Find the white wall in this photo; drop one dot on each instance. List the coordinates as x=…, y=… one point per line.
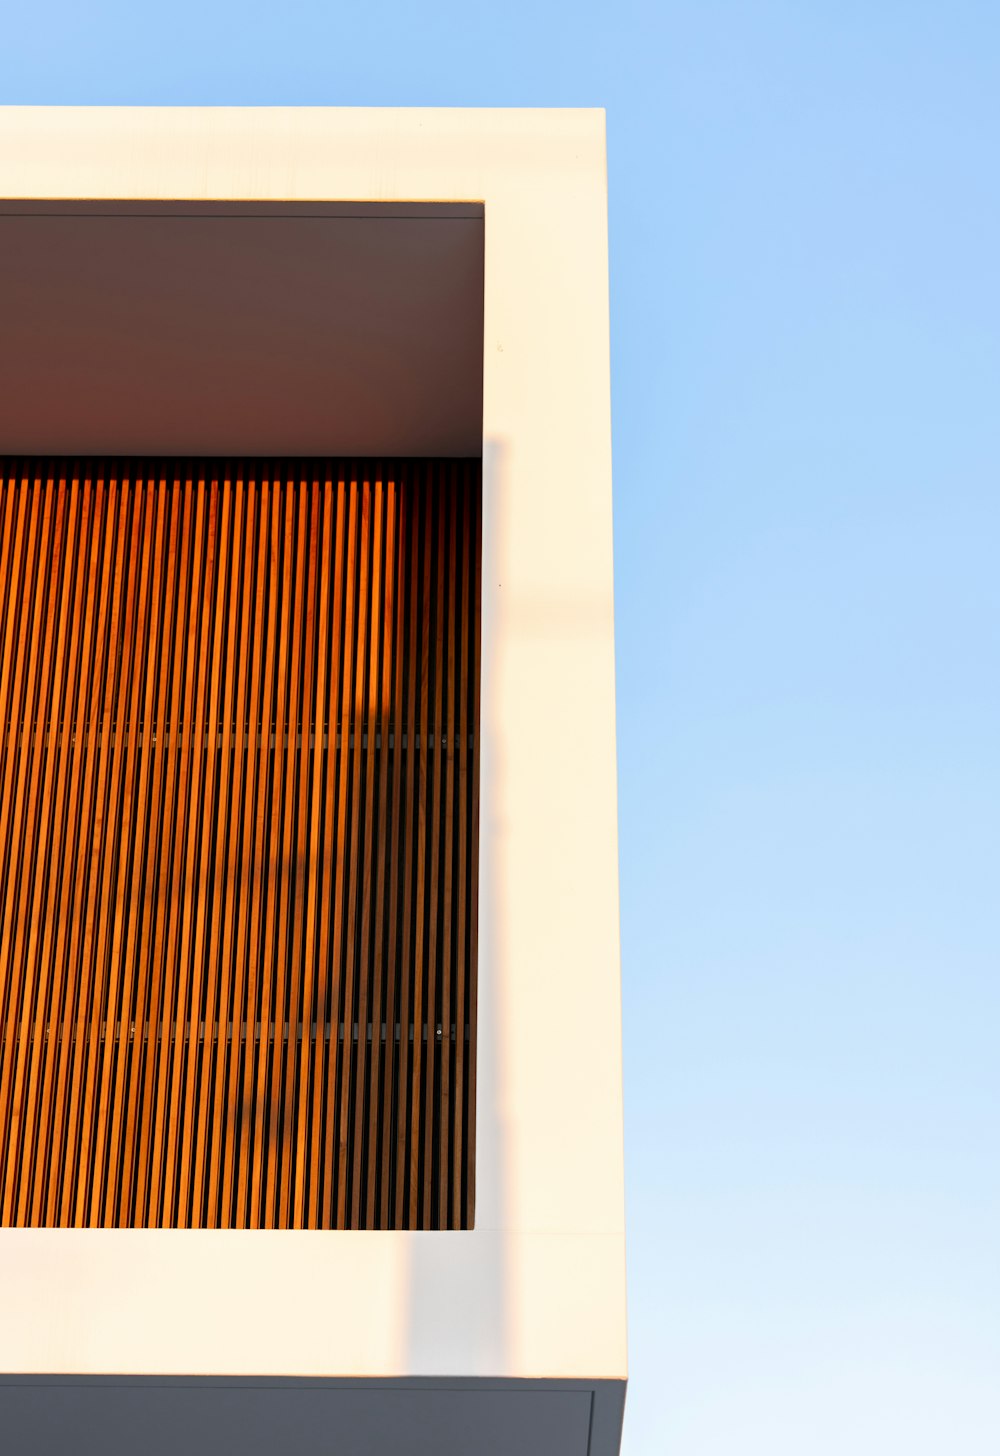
x=538, y=1288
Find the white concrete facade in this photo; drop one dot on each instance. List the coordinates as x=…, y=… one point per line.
x=536, y=1291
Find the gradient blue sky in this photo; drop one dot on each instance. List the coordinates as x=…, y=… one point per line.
x=805, y=249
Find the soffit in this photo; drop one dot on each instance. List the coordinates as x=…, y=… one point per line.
x=252, y=329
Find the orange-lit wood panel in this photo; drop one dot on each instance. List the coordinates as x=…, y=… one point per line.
x=239, y=734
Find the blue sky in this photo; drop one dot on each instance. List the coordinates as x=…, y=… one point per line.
x=805, y=235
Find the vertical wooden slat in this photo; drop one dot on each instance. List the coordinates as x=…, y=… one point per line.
x=328, y=998
x=393, y=730
x=282, y=866
x=120, y=861
x=103, y=719
x=352, y=728
x=434, y=1031
x=271, y=986
x=83, y=865
x=11, y=676
x=184, y=732
x=411, y=999
x=380, y=724
x=462, y=833
x=447, y=761
x=183, y=1034
x=313, y=1000
x=237, y=1158
x=21, y=805
x=118, y=1049
x=63, y=881
x=280, y=1182
x=129, y=1116
x=165, y=897
x=91, y=1024
x=223, y=979
x=340, y=1028
x=366, y=718
x=218, y=736
x=418, y=970
x=59, y=751
x=32, y=1048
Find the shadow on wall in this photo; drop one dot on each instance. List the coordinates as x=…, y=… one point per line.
x=434, y=1342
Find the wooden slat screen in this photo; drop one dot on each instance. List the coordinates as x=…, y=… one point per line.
x=239, y=710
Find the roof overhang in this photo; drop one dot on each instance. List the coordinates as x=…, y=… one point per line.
x=187, y=328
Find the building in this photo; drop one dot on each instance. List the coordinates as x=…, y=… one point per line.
x=310, y=1084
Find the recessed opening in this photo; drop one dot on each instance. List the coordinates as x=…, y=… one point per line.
x=240, y=518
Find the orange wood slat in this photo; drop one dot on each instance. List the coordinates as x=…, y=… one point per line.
x=239, y=728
